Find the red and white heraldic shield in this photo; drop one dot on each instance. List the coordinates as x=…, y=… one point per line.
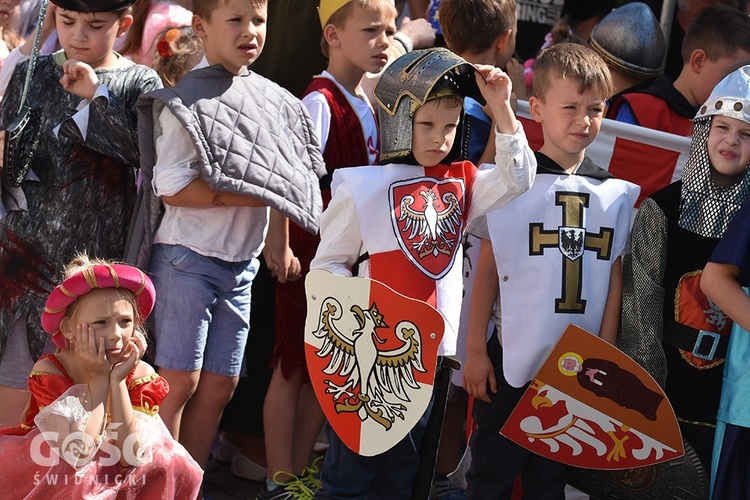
x=428, y=219
x=591, y=406
x=371, y=353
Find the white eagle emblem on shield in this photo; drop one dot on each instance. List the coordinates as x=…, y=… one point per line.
x=358, y=355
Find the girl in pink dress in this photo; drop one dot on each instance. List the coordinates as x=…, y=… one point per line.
x=92, y=428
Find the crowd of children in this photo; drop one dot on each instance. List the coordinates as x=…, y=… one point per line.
x=195, y=183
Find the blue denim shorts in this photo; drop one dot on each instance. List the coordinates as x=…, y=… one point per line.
x=202, y=312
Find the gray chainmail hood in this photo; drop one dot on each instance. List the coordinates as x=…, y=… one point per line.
x=706, y=208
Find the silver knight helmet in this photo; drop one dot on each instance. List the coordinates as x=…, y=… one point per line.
x=408, y=83
x=630, y=40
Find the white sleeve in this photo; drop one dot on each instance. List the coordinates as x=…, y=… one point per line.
x=320, y=112
x=81, y=117
x=511, y=176
x=175, y=157
x=340, y=237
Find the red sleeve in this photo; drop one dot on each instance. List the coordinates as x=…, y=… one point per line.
x=46, y=387
x=147, y=393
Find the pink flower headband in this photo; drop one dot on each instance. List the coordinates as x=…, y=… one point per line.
x=90, y=278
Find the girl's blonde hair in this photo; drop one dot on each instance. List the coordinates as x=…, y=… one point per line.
x=177, y=51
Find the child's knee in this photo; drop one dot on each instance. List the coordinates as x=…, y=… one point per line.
x=216, y=391
x=182, y=384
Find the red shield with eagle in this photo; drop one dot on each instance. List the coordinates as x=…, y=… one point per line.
x=428, y=217
x=371, y=354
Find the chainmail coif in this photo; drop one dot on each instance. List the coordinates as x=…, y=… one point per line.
x=705, y=208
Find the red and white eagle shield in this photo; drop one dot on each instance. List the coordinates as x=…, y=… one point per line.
x=428, y=217
x=371, y=353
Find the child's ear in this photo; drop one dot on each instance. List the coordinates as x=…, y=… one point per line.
x=697, y=59
x=125, y=23
x=198, y=28
x=502, y=41
x=535, y=109
x=65, y=326
x=331, y=34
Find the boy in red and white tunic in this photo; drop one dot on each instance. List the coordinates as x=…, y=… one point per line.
x=402, y=221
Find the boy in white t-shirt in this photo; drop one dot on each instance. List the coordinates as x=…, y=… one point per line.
x=357, y=37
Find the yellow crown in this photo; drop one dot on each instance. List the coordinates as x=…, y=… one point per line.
x=327, y=8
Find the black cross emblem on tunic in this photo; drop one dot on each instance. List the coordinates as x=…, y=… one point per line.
x=573, y=205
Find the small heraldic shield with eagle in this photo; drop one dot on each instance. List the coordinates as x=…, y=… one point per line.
x=371, y=353
x=428, y=219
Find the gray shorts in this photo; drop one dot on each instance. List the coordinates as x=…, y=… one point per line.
x=16, y=363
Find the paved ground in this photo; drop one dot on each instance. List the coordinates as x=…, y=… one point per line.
x=220, y=484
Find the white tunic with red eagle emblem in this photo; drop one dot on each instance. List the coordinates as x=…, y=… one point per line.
x=410, y=219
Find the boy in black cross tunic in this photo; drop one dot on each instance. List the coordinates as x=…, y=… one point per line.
x=549, y=258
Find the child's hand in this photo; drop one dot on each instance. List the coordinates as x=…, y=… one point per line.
x=131, y=356
x=420, y=32
x=496, y=88
x=79, y=78
x=282, y=263
x=92, y=357
x=50, y=24
x=295, y=270
x=494, y=83
x=476, y=375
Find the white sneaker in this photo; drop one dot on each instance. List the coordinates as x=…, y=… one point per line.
x=247, y=469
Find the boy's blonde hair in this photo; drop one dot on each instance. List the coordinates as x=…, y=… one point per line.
x=472, y=26
x=720, y=31
x=342, y=15
x=574, y=62
x=205, y=8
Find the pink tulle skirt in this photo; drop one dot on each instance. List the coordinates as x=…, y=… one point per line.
x=31, y=467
